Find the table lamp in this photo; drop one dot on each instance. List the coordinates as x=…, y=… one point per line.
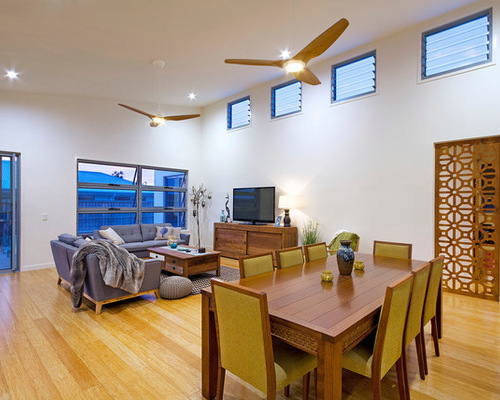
x=286, y=202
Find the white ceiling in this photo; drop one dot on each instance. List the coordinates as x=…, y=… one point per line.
x=104, y=48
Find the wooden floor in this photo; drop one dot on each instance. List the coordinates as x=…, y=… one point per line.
x=147, y=348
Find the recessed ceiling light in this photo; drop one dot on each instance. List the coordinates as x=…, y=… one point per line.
x=12, y=74
x=285, y=54
x=192, y=96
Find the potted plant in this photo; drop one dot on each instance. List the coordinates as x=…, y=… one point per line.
x=310, y=232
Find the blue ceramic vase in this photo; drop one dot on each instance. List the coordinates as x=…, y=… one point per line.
x=345, y=257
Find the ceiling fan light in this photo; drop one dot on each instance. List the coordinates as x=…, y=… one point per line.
x=294, y=65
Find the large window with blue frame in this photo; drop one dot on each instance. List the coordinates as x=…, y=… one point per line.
x=122, y=194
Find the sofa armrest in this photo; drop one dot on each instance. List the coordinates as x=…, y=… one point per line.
x=186, y=236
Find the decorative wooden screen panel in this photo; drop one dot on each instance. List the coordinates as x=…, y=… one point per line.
x=466, y=215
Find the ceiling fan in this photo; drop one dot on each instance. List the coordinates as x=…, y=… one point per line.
x=298, y=64
x=158, y=119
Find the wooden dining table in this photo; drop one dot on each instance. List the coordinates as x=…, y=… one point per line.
x=323, y=318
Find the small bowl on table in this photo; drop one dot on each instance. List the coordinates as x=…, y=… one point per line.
x=359, y=265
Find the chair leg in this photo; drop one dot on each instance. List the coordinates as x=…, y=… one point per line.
x=305, y=385
x=424, y=353
x=420, y=356
x=286, y=391
x=435, y=335
x=405, y=374
x=377, y=393
x=315, y=383
x=401, y=380
x=221, y=376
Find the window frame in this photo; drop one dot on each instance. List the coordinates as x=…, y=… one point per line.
x=372, y=53
x=273, y=99
x=488, y=12
x=138, y=210
x=229, y=113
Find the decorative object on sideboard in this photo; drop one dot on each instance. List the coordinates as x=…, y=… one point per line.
x=200, y=195
x=310, y=233
x=286, y=202
x=228, y=218
x=278, y=220
x=222, y=216
x=345, y=257
x=159, y=119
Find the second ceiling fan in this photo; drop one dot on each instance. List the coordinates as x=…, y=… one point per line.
x=159, y=119
x=298, y=64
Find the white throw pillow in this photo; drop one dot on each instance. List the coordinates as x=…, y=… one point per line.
x=164, y=232
x=111, y=235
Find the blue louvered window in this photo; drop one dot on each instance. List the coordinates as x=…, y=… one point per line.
x=238, y=113
x=286, y=99
x=458, y=45
x=354, y=77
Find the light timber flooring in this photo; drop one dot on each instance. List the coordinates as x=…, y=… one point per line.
x=150, y=349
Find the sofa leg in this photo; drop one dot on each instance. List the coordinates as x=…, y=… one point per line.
x=157, y=293
x=98, y=308
x=59, y=280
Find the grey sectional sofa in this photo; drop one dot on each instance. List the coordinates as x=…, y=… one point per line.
x=138, y=237
x=94, y=287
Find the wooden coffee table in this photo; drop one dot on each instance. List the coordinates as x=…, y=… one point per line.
x=186, y=263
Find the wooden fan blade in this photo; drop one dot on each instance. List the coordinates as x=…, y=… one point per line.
x=319, y=45
x=307, y=76
x=180, y=117
x=138, y=111
x=242, y=61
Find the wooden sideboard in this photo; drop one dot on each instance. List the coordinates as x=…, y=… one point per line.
x=236, y=240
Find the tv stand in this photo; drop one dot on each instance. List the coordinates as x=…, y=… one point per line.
x=235, y=240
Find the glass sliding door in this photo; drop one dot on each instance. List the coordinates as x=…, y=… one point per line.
x=9, y=212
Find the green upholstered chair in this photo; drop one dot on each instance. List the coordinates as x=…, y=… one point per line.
x=290, y=257
x=375, y=355
x=413, y=322
x=392, y=249
x=334, y=245
x=246, y=348
x=315, y=251
x=430, y=307
x=256, y=264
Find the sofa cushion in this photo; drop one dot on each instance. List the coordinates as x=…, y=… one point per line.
x=165, y=232
x=111, y=235
x=79, y=242
x=67, y=238
x=149, y=230
x=129, y=233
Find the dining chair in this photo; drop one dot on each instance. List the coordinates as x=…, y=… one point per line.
x=246, y=347
x=290, y=257
x=256, y=264
x=392, y=249
x=315, y=251
x=376, y=354
x=413, y=321
x=334, y=245
x=430, y=307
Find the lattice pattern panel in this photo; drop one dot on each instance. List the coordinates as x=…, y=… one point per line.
x=466, y=226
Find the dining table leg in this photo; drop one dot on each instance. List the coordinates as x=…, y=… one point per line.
x=329, y=371
x=209, y=350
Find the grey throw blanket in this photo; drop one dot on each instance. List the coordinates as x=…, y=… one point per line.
x=118, y=267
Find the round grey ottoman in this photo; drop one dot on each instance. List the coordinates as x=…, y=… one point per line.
x=174, y=287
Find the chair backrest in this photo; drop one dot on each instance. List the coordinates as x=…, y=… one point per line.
x=433, y=289
x=392, y=249
x=335, y=243
x=417, y=301
x=389, y=339
x=290, y=257
x=256, y=264
x=315, y=251
x=244, y=334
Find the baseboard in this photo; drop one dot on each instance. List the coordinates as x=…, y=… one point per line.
x=34, y=267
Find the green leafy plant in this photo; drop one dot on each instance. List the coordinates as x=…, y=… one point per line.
x=310, y=232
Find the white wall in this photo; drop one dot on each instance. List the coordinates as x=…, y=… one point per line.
x=366, y=165
x=51, y=132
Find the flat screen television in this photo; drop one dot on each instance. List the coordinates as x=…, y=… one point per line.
x=254, y=205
